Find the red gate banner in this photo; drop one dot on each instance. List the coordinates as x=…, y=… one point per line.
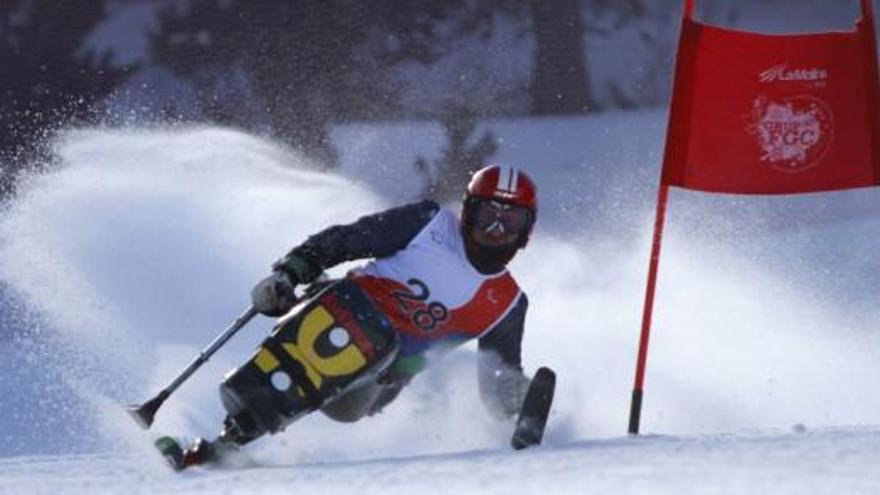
x=774, y=114
x=766, y=114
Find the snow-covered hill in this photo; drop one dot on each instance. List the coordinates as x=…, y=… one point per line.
x=827, y=462
x=143, y=243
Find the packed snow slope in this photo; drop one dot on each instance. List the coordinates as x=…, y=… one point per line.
x=124, y=258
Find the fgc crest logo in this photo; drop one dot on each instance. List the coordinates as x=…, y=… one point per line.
x=793, y=133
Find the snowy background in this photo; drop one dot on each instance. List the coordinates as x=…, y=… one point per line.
x=144, y=244
x=140, y=241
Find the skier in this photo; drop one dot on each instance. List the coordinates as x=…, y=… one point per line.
x=436, y=281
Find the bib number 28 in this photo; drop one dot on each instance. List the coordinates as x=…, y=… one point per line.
x=424, y=314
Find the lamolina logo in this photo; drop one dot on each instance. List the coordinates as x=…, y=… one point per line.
x=781, y=72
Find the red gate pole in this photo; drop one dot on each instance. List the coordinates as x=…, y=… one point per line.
x=867, y=8
x=635, y=411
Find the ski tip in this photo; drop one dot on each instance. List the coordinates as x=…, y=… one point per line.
x=546, y=374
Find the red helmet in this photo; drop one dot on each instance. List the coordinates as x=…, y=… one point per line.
x=503, y=183
x=500, y=207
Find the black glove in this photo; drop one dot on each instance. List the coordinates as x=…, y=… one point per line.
x=274, y=295
x=299, y=268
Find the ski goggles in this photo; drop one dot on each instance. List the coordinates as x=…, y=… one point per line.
x=501, y=219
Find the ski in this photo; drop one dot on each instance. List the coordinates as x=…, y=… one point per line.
x=171, y=451
x=198, y=453
x=535, y=409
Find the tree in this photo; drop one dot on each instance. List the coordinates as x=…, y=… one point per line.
x=47, y=82
x=296, y=65
x=560, y=76
x=448, y=174
x=305, y=64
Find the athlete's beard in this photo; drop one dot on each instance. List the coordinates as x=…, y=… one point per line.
x=489, y=259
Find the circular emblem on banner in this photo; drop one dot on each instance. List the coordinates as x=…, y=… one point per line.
x=793, y=133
